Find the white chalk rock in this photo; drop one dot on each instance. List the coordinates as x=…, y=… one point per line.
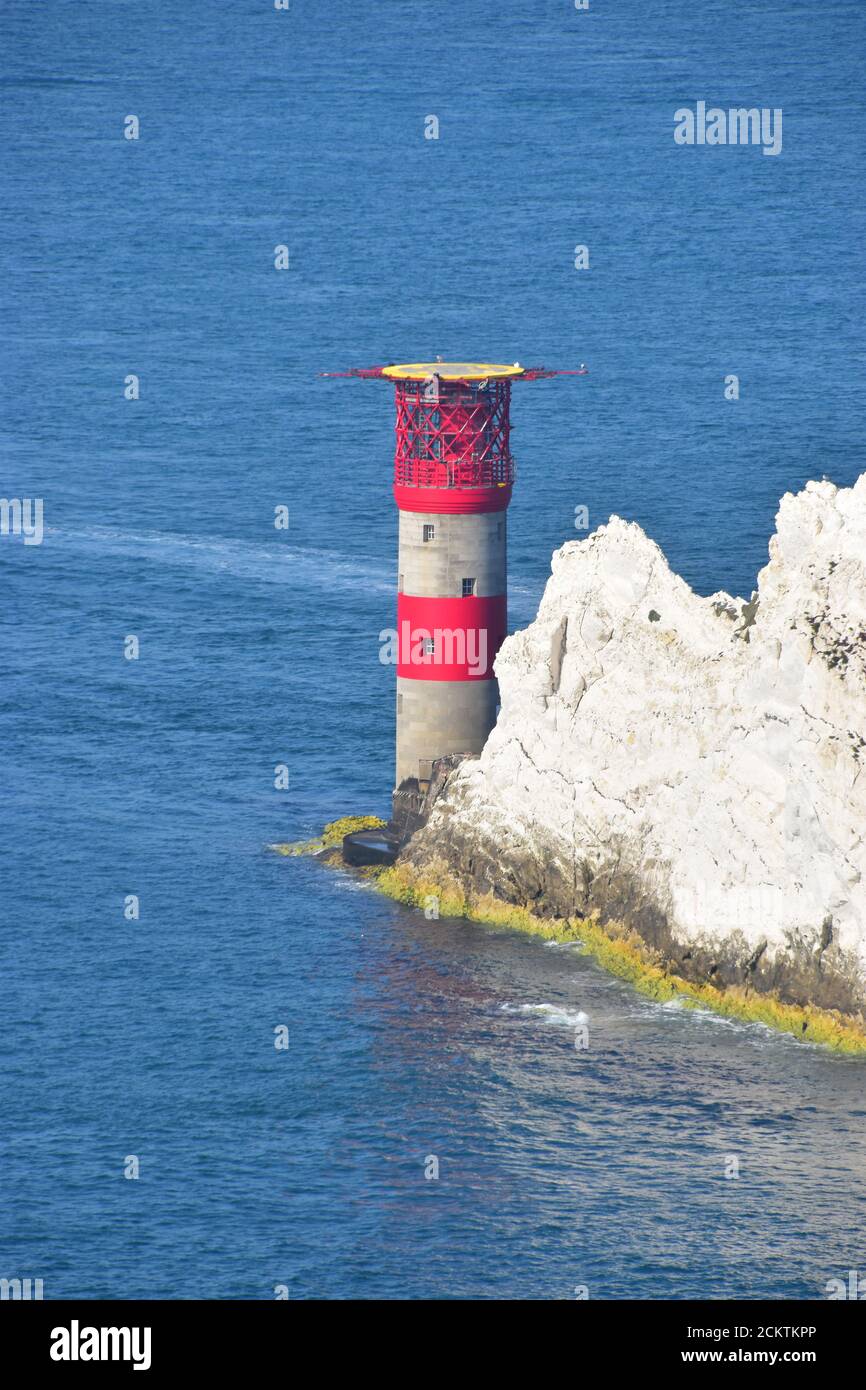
x=715, y=748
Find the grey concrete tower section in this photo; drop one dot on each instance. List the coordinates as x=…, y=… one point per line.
x=436, y=717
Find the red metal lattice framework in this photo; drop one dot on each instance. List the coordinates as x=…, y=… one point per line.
x=453, y=434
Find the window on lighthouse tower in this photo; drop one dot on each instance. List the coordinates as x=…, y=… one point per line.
x=429, y=531
x=468, y=588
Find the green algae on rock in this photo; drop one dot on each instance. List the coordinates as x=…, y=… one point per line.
x=331, y=837
x=625, y=954
x=613, y=945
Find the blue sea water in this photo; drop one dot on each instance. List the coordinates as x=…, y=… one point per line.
x=155, y=777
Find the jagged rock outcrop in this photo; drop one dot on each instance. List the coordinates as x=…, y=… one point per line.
x=691, y=766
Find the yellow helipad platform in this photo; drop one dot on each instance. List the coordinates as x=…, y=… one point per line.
x=453, y=371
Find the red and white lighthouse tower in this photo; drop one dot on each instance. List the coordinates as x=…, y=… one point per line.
x=453, y=476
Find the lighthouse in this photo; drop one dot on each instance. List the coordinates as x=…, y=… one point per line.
x=453, y=478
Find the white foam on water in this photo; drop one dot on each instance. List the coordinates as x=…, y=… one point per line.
x=754, y=1030
x=276, y=562
x=548, y=1013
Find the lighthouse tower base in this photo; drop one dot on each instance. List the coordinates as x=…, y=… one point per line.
x=412, y=802
x=435, y=718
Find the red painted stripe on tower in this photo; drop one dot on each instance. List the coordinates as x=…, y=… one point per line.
x=452, y=500
x=466, y=634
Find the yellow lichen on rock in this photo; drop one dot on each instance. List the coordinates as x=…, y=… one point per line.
x=622, y=952
x=332, y=835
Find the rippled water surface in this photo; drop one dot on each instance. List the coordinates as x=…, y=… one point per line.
x=408, y=1039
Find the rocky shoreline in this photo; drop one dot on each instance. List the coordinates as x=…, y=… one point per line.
x=548, y=881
